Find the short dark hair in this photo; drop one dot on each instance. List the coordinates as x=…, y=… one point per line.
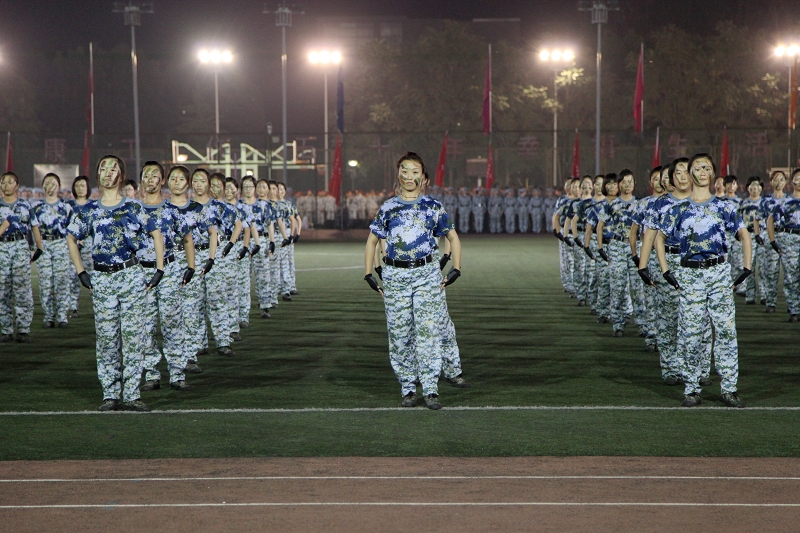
x=88, y=187
x=412, y=156
x=703, y=155
x=273, y=182
x=656, y=169
x=795, y=171
x=249, y=177
x=626, y=172
x=672, y=168
x=217, y=176
x=198, y=171
x=120, y=164
x=152, y=164
x=9, y=173
x=232, y=180
x=608, y=179
x=52, y=175
x=754, y=179
x=132, y=183
x=727, y=180
x=182, y=169
x=775, y=174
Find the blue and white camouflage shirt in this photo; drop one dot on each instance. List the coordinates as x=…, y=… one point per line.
x=174, y=227
x=53, y=218
x=20, y=216
x=786, y=214
x=201, y=218
x=750, y=211
x=657, y=217
x=618, y=216
x=116, y=232
x=411, y=228
x=701, y=228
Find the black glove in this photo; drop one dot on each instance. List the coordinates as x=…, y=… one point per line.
x=156, y=279
x=272, y=247
x=558, y=235
x=588, y=252
x=569, y=241
x=227, y=249
x=80, y=246
x=286, y=242
x=760, y=240
x=370, y=279
x=243, y=252
x=743, y=276
x=670, y=277
x=603, y=254
x=86, y=280
x=736, y=236
x=379, y=271
x=635, y=260
x=443, y=261
x=255, y=250
x=36, y=255
x=775, y=246
x=207, y=266
x=295, y=238
x=452, y=276
x=645, y=275
x=187, y=275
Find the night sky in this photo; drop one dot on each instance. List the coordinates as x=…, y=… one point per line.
x=44, y=27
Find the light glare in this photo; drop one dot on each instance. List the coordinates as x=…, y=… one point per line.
x=353, y=163
x=324, y=57
x=780, y=51
x=215, y=56
x=544, y=55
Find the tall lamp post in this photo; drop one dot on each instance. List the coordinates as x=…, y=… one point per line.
x=215, y=58
x=599, y=9
x=133, y=17
x=324, y=58
x=790, y=52
x=557, y=59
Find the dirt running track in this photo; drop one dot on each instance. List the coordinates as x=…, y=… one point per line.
x=400, y=494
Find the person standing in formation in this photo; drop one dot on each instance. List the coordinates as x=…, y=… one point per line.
x=261, y=216
x=495, y=204
x=731, y=184
x=264, y=192
x=536, y=210
x=771, y=265
x=590, y=244
x=783, y=226
x=80, y=194
x=243, y=252
x=523, y=213
x=284, y=210
x=478, y=208
x=577, y=225
x=749, y=210
x=297, y=229
x=609, y=191
x=163, y=303
x=54, y=265
x=510, y=211
x=410, y=222
x=564, y=248
x=464, y=208
x=115, y=227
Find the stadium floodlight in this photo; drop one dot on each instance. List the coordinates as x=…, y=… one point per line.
x=215, y=57
x=325, y=58
x=352, y=163
x=557, y=58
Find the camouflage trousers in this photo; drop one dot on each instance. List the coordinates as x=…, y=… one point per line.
x=259, y=267
x=752, y=283
x=790, y=258
x=274, y=277
x=284, y=268
x=118, y=299
x=230, y=290
x=511, y=220
x=163, y=304
x=54, y=268
x=580, y=265
x=650, y=298
x=414, y=314
x=735, y=258
x=665, y=318
x=536, y=220
x=591, y=274
x=769, y=272
x=463, y=220
x=603, y=288
x=494, y=222
x=566, y=264
x=16, y=293
x=75, y=283
x=205, y=294
x=706, y=295
x=292, y=277
x=522, y=215
x=478, y=215
x=625, y=284
x=241, y=281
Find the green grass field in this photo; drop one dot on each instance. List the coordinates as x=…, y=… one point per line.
x=523, y=342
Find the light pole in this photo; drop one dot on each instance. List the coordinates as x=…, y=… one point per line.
x=133, y=17
x=599, y=9
x=557, y=58
x=790, y=52
x=325, y=58
x=215, y=58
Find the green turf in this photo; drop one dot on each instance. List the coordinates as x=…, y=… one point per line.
x=522, y=340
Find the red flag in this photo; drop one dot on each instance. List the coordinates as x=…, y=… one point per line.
x=657, y=151
x=9, y=155
x=638, y=97
x=724, y=160
x=442, y=162
x=487, y=97
x=85, y=159
x=576, y=158
x=793, y=100
x=490, y=169
x=335, y=183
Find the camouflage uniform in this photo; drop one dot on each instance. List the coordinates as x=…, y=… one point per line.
x=478, y=209
x=163, y=303
x=770, y=259
x=536, y=209
x=523, y=215
x=649, y=294
x=224, y=273
x=602, y=290
x=54, y=265
x=749, y=211
x=495, y=204
x=291, y=271
x=786, y=217
x=549, y=205
x=283, y=253
x=735, y=257
x=623, y=273
x=701, y=229
x=16, y=293
x=413, y=299
x=262, y=218
x=86, y=257
x=566, y=256
x=464, y=210
x=244, y=266
x=510, y=211
x=118, y=298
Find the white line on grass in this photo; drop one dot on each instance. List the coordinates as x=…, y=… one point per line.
x=399, y=478
x=110, y=506
x=327, y=268
x=403, y=410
